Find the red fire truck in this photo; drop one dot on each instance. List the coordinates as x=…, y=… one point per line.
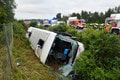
x=73, y=21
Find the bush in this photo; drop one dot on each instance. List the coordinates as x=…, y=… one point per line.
x=59, y=28
x=101, y=59
x=64, y=28
x=23, y=54
x=42, y=27
x=33, y=24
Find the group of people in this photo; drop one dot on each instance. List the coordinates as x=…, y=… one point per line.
x=101, y=27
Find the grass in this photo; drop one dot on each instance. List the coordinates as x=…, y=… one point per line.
x=30, y=66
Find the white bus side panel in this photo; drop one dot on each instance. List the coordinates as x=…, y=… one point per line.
x=38, y=34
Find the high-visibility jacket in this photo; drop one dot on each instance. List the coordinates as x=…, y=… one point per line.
x=108, y=28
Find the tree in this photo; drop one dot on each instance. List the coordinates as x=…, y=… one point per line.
x=109, y=12
x=118, y=9
x=6, y=11
x=78, y=16
x=96, y=17
x=102, y=17
x=58, y=16
x=65, y=18
x=73, y=15
x=85, y=15
x=33, y=24
x=93, y=17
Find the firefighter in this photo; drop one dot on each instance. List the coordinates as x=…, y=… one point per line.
x=108, y=27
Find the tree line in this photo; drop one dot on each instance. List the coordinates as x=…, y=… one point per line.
x=7, y=13
x=91, y=17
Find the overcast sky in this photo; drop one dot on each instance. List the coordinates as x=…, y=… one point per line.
x=43, y=9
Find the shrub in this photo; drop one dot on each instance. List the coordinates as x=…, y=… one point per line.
x=64, y=28
x=33, y=24
x=42, y=27
x=101, y=59
x=59, y=28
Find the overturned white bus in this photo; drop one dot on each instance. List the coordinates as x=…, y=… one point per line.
x=56, y=50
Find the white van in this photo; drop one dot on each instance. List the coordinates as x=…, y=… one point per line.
x=56, y=50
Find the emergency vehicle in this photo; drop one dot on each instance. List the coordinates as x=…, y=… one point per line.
x=114, y=22
x=73, y=21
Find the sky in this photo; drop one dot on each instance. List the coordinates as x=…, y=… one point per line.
x=47, y=9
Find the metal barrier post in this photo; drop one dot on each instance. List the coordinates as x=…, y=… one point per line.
x=7, y=45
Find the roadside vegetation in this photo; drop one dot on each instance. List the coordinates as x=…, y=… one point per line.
x=101, y=58
x=99, y=61
x=30, y=67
